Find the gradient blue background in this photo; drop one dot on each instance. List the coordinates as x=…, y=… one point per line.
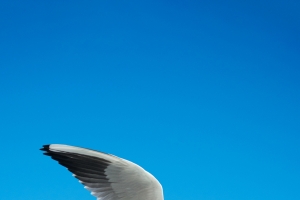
x=203, y=94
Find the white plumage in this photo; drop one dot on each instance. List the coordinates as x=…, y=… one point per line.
x=106, y=176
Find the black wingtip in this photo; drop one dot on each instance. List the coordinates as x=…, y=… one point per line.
x=45, y=147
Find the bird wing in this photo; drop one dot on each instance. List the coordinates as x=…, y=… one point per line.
x=107, y=177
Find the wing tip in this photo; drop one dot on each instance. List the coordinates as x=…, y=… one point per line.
x=45, y=147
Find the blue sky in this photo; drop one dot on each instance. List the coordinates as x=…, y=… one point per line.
x=202, y=94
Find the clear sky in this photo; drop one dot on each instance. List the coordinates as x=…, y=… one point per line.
x=205, y=95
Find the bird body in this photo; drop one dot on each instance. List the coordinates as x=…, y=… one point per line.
x=106, y=176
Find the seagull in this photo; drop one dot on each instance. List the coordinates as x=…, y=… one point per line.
x=106, y=176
